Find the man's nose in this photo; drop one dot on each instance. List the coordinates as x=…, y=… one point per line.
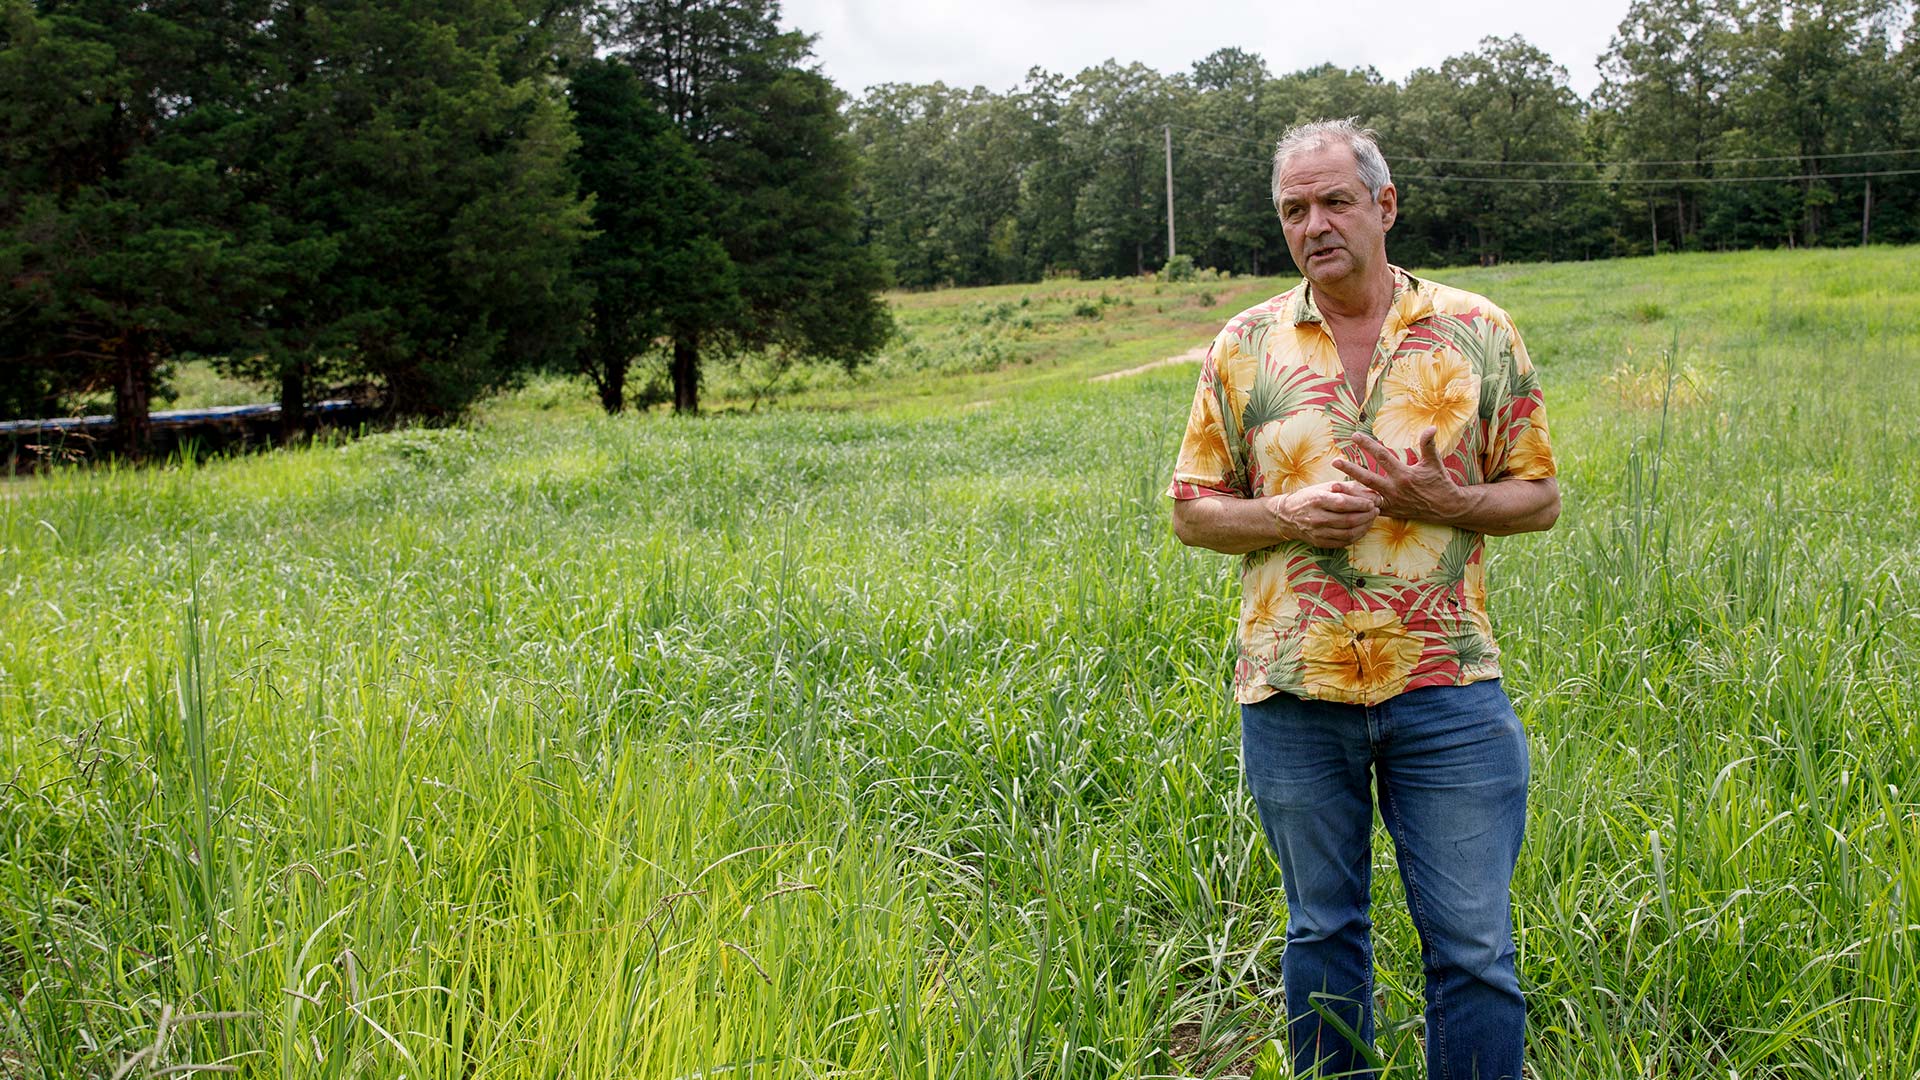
x=1316, y=219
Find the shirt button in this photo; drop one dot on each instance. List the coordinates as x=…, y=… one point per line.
x=1359, y=583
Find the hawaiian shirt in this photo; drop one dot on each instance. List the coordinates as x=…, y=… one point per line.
x=1405, y=606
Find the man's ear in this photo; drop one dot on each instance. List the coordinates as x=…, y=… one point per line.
x=1389, y=202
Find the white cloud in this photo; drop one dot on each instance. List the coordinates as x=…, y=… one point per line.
x=992, y=43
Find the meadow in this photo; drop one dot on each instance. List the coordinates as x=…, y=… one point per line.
x=878, y=726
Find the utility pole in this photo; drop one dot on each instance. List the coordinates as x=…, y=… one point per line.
x=1866, y=212
x=1167, y=130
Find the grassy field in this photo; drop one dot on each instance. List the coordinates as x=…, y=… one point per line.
x=889, y=736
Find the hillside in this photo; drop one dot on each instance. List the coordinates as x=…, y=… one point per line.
x=883, y=729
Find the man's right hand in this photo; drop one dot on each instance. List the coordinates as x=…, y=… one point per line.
x=1330, y=515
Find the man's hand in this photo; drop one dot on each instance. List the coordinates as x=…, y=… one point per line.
x=1330, y=515
x=1424, y=492
x=1326, y=515
x=1419, y=492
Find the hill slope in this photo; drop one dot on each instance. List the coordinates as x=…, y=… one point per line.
x=891, y=737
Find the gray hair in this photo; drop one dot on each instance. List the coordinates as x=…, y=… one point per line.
x=1366, y=152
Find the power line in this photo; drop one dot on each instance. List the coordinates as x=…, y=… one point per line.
x=1662, y=180
x=1228, y=157
x=1677, y=161
x=1577, y=164
x=1224, y=135
x=1642, y=181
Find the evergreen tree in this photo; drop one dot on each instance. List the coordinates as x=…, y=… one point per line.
x=770, y=133
x=414, y=158
x=653, y=265
x=118, y=243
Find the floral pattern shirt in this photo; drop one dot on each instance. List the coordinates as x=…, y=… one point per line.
x=1405, y=606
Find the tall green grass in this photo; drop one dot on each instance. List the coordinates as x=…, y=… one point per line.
x=894, y=740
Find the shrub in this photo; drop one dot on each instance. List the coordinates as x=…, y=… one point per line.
x=1658, y=382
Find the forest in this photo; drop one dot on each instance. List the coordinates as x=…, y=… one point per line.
x=1716, y=126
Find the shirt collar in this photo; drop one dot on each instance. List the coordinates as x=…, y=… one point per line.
x=1411, y=301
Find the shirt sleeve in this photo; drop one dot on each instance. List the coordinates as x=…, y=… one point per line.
x=1518, y=445
x=1206, y=463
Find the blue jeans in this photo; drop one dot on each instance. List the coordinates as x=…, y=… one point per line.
x=1451, y=766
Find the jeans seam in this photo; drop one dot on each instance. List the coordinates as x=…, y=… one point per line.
x=1418, y=910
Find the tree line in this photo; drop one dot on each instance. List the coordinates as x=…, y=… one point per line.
x=420, y=200
x=417, y=198
x=1718, y=124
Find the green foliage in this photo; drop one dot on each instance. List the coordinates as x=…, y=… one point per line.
x=654, y=266
x=443, y=182
x=118, y=240
x=768, y=130
x=302, y=191
x=1496, y=158
x=1505, y=102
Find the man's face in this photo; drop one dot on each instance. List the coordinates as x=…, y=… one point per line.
x=1335, y=229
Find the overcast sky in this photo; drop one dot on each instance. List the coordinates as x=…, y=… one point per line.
x=992, y=43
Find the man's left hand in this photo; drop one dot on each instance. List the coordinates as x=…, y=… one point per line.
x=1419, y=492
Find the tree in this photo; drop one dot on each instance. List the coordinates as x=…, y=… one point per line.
x=408, y=168
x=1120, y=215
x=653, y=263
x=295, y=188
x=1054, y=169
x=770, y=132
x=1505, y=102
x=117, y=236
x=1821, y=56
x=1222, y=208
x=1668, y=77
x=414, y=162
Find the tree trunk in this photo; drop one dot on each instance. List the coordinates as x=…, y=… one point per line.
x=133, y=394
x=1812, y=224
x=293, y=401
x=613, y=386
x=686, y=374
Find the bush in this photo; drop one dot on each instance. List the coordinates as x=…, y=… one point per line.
x=1178, y=268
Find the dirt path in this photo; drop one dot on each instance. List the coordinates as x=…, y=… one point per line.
x=1191, y=356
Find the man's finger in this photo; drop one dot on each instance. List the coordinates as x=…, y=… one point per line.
x=1348, y=506
x=1361, y=473
x=1381, y=454
x=1428, y=451
x=1362, y=490
x=1341, y=502
x=1350, y=519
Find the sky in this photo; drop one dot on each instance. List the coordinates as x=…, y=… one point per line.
x=992, y=43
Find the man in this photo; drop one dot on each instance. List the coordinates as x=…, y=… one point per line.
x=1355, y=438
